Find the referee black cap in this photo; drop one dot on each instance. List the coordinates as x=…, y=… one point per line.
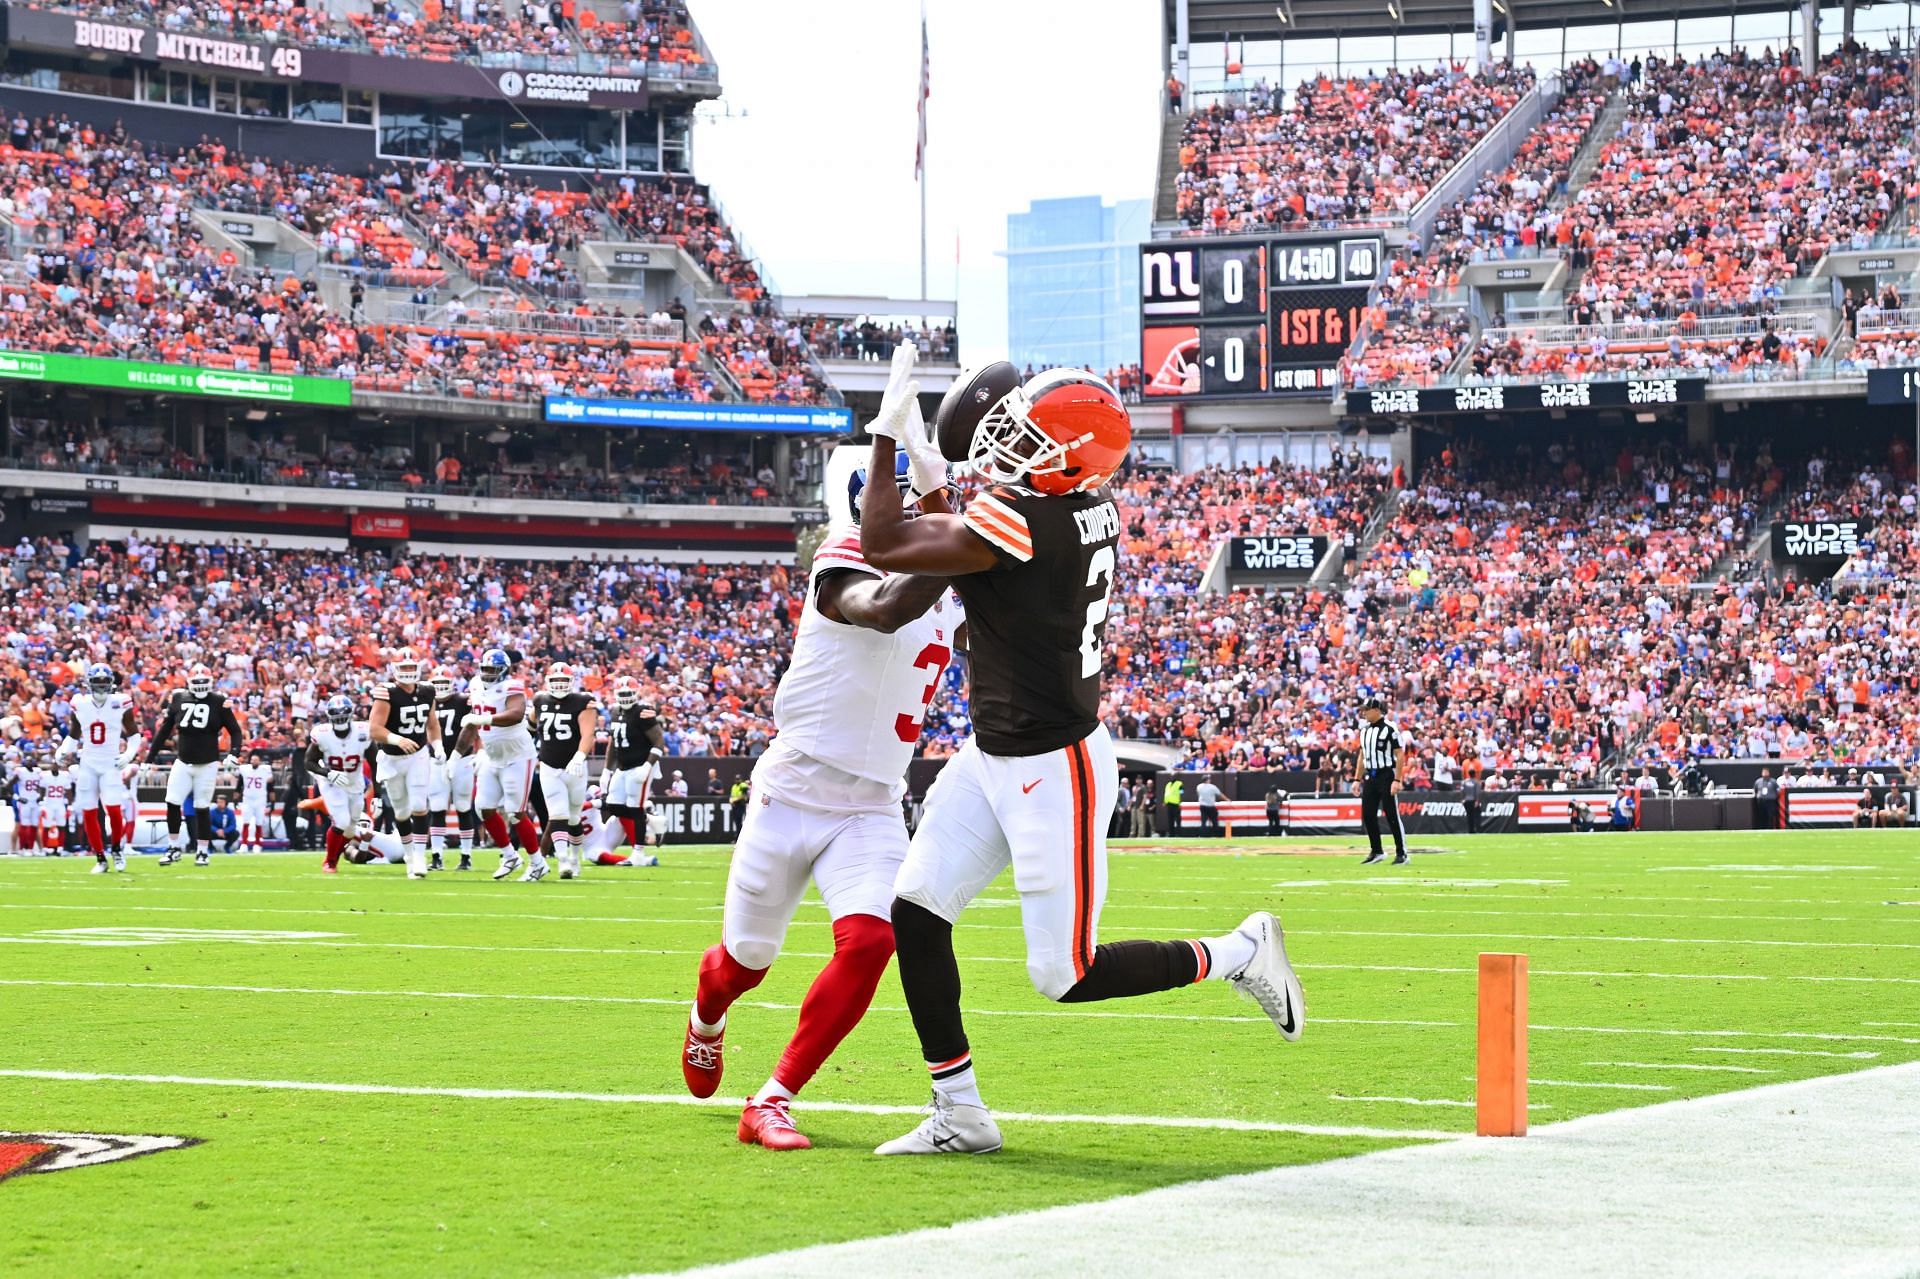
x=1373, y=704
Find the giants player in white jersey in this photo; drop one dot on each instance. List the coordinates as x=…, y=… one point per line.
x=337, y=758
x=256, y=786
x=867, y=657
x=107, y=738
x=56, y=789
x=505, y=775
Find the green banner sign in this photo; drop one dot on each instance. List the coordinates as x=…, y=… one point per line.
x=173, y=379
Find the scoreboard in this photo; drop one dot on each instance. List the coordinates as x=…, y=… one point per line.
x=1241, y=317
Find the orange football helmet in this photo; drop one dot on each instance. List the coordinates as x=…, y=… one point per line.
x=1064, y=431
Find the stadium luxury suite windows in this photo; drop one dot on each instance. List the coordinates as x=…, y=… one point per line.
x=420, y=129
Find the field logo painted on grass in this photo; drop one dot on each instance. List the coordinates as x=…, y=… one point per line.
x=40, y=1152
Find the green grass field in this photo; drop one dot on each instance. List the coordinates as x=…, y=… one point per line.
x=1662, y=967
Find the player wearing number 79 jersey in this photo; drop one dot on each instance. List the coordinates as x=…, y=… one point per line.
x=867, y=657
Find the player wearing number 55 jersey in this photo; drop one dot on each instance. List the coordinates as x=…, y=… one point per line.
x=1033, y=558
x=867, y=657
x=407, y=740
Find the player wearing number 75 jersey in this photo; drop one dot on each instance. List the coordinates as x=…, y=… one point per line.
x=1033, y=559
x=867, y=657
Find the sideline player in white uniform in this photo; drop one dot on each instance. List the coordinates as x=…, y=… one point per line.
x=337, y=758
x=27, y=784
x=107, y=738
x=56, y=788
x=565, y=720
x=505, y=773
x=867, y=658
x=256, y=786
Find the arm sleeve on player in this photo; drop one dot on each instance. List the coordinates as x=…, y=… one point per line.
x=841, y=552
x=994, y=517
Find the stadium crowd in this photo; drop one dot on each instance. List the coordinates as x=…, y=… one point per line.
x=1533, y=615
x=113, y=263
x=1729, y=177
x=1360, y=149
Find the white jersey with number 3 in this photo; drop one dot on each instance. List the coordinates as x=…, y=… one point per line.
x=850, y=709
x=99, y=726
x=505, y=741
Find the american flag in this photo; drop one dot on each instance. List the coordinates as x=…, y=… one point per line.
x=926, y=70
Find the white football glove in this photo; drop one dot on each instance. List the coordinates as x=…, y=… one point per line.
x=439, y=749
x=576, y=768
x=340, y=780
x=927, y=464
x=229, y=763
x=68, y=746
x=477, y=719
x=902, y=394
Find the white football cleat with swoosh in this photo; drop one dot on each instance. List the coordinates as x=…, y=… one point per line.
x=1268, y=979
x=948, y=1129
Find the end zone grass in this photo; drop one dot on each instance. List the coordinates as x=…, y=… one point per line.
x=1662, y=967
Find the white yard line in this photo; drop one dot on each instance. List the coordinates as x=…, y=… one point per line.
x=1592, y=1083
x=1809, y=1177
x=1620, y=938
x=1681, y=1065
x=725, y=1103
x=1862, y=1055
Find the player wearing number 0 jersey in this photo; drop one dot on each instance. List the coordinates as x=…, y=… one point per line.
x=1033, y=558
x=107, y=739
x=867, y=657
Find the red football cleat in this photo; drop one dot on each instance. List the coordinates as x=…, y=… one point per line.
x=701, y=1063
x=767, y=1123
x=328, y=868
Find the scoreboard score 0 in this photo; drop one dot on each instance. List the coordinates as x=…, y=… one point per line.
x=1251, y=317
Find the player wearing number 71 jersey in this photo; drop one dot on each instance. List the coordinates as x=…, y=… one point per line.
x=1033, y=558
x=867, y=657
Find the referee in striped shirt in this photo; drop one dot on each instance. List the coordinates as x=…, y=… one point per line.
x=1383, y=758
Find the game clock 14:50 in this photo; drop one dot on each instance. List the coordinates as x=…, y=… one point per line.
x=1246, y=317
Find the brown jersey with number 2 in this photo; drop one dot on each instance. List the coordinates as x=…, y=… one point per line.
x=1036, y=619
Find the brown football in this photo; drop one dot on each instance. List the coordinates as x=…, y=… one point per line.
x=966, y=402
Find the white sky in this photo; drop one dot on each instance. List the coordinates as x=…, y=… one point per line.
x=1031, y=99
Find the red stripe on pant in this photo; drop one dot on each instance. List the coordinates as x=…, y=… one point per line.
x=1080, y=774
